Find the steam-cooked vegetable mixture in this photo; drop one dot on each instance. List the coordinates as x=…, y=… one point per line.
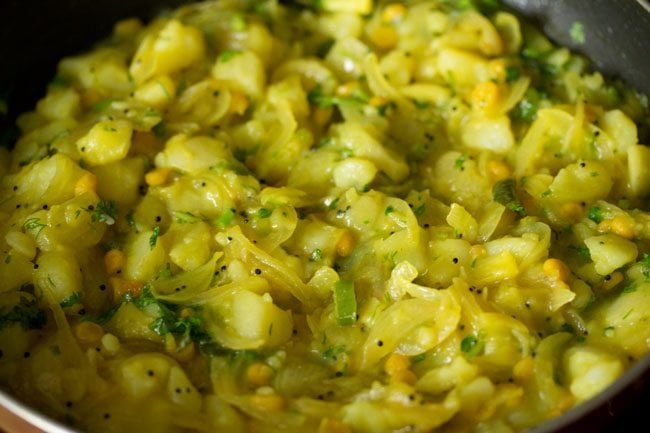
x=327, y=217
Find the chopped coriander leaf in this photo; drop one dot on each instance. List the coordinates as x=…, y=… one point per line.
x=226, y=218
x=418, y=358
x=182, y=86
x=165, y=271
x=420, y=210
x=460, y=161
x=584, y=253
x=504, y=192
x=526, y=110
x=102, y=105
x=130, y=220
x=34, y=224
x=595, y=214
x=324, y=47
x=577, y=32
x=160, y=130
x=183, y=217
x=238, y=23
x=150, y=112
x=645, y=266
x=154, y=237
x=264, y=212
x=71, y=300
x=228, y=55
x=331, y=353
x=471, y=346
x=629, y=288
x=25, y=313
x=485, y=6
x=567, y=328
x=189, y=328
x=312, y=4
x=333, y=204
x=512, y=74
x=315, y=255
x=58, y=81
x=389, y=210
x=317, y=97
x=105, y=212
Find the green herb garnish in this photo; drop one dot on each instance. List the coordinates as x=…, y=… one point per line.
x=504, y=192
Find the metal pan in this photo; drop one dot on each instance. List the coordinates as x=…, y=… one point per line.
x=34, y=34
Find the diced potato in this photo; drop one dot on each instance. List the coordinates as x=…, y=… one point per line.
x=467, y=187
x=150, y=212
x=222, y=416
x=462, y=222
x=361, y=7
x=313, y=173
x=446, y=377
x=15, y=271
x=145, y=256
x=189, y=398
x=475, y=394
x=411, y=326
x=354, y=173
x=175, y=47
x=246, y=320
x=69, y=224
x=283, y=149
x=290, y=91
x=586, y=181
x=638, y=161
x=242, y=71
x=60, y=104
x=590, y=370
x=107, y=141
x=58, y=277
x=485, y=133
x=158, y=92
x=136, y=374
x=461, y=68
x=510, y=31
x=493, y=269
x=120, y=181
x=209, y=196
x=397, y=66
x=49, y=181
x=621, y=129
x=474, y=32
x=448, y=256
x=317, y=240
x=627, y=317
x=368, y=416
x=191, y=246
x=130, y=322
x=346, y=58
x=102, y=71
x=363, y=145
x=611, y=252
x=22, y=243
x=192, y=155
